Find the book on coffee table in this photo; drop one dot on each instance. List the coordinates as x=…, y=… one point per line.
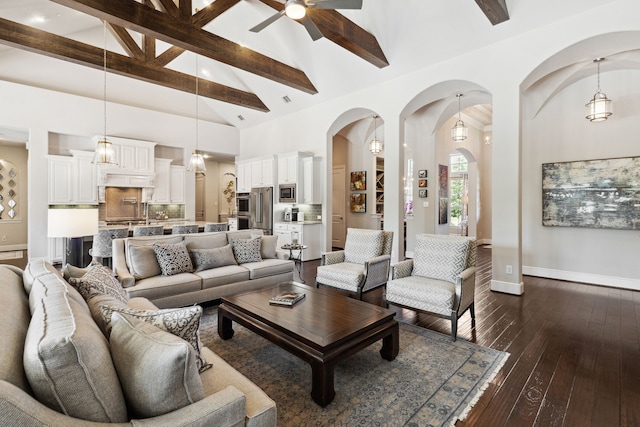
x=286, y=298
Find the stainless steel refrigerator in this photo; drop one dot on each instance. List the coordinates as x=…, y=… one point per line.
x=261, y=209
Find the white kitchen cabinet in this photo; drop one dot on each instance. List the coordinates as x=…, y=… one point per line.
x=262, y=173
x=288, y=167
x=177, y=184
x=84, y=177
x=56, y=249
x=311, y=190
x=132, y=154
x=162, y=181
x=309, y=235
x=243, y=174
x=61, y=182
x=233, y=224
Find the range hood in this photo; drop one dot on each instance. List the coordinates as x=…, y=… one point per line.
x=114, y=177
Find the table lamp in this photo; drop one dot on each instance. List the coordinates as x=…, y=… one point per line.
x=73, y=225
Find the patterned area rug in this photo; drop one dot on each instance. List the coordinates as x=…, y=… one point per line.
x=432, y=382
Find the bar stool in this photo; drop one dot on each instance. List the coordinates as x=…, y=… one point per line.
x=216, y=226
x=148, y=230
x=184, y=229
x=101, y=249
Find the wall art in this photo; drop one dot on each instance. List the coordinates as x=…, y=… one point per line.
x=601, y=193
x=358, y=202
x=443, y=194
x=422, y=173
x=422, y=193
x=359, y=181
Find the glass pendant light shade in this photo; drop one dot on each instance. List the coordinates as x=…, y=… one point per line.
x=599, y=107
x=459, y=132
x=196, y=163
x=104, y=154
x=375, y=146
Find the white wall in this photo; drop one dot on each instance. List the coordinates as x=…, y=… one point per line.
x=560, y=133
x=500, y=69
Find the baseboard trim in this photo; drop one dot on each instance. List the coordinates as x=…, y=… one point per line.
x=574, y=276
x=507, y=287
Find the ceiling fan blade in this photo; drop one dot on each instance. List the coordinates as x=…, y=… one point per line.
x=336, y=4
x=313, y=31
x=264, y=24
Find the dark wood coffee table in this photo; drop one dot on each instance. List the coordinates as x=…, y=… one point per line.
x=322, y=329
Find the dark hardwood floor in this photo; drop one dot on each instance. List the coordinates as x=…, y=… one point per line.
x=575, y=351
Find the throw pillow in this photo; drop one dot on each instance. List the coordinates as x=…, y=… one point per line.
x=205, y=259
x=144, y=262
x=247, y=250
x=181, y=322
x=173, y=258
x=99, y=280
x=268, y=246
x=157, y=370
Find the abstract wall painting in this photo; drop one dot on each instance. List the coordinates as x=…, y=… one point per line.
x=601, y=193
x=443, y=194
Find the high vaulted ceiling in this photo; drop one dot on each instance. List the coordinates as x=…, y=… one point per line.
x=154, y=47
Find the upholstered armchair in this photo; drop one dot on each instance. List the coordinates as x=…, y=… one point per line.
x=439, y=280
x=363, y=265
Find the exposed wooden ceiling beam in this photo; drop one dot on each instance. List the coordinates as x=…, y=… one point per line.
x=145, y=20
x=495, y=10
x=343, y=32
x=52, y=45
x=211, y=12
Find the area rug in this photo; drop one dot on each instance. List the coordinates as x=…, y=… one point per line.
x=432, y=382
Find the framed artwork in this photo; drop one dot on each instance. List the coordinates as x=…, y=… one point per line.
x=422, y=183
x=422, y=193
x=359, y=181
x=443, y=194
x=359, y=202
x=592, y=193
x=422, y=173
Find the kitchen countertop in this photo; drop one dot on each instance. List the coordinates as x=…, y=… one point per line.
x=301, y=223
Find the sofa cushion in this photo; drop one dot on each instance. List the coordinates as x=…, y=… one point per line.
x=268, y=267
x=204, y=259
x=205, y=240
x=143, y=263
x=173, y=258
x=422, y=293
x=442, y=259
x=97, y=281
x=345, y=275
x=34, y=269
x=157, y=370
x=247, y=250
x=50, y=284
x=163, y=286
x=268, y=246
x=68, y=363
x=182, y=322
x=223, y=276
x=362, y=245
x=96, y=313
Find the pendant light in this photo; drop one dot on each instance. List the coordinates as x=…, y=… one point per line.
x=196, y=164
x=599, y=107
x=104, y=154
x=459, y=131
x=375, y=146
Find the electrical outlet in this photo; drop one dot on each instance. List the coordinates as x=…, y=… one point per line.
x=509, y=269
x=425, y=204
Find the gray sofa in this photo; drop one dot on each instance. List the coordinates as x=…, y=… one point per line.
x=135, y=266
x=42, y=314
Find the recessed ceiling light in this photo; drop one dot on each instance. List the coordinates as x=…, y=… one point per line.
x=38, y=19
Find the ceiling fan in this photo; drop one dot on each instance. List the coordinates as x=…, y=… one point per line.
x=297, y=9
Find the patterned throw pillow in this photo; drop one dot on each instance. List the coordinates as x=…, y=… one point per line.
x=173, y=258
x=181, y=322
x=98, y=281
x=247, y=250
x=157, y=370
x=205, y=259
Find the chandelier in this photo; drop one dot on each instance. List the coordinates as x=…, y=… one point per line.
x=375, y=146
x=459, y=131
x=598, y=107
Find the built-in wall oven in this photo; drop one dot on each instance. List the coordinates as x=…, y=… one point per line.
x=244, y=213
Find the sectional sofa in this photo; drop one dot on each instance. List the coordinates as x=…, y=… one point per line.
x=222, y=263
x=58, y=368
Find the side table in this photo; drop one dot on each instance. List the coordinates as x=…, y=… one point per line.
x=297, y=260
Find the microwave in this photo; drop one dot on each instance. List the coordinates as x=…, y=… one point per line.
x=287, y=193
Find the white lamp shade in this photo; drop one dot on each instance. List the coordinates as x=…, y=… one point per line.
x=295, y=9
x=375, y=146
x=599, y=108
x=72, y=222
x=459, y=132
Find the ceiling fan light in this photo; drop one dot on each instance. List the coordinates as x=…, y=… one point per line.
x=295, y=9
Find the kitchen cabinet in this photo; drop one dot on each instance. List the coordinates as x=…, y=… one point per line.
x=309, y=235
x=288, y=167
x=84, y=175
x=243, y=175
x=56, y=249
x=262, y=172
x=311, y=190
x=177, y=184
x=233, y=224
x=60, y=180
x=162, y=181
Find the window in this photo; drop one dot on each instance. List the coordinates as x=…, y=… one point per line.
x=458, y=188
x=408, y=188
